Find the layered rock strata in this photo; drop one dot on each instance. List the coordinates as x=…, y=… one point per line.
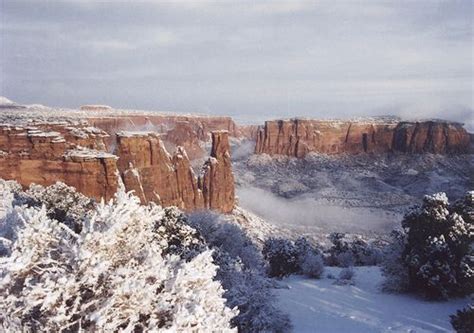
x=169, y=180
x=217, y=182
x=186, y=131
x=298, y=137
x=43, y=156
x=77, y=156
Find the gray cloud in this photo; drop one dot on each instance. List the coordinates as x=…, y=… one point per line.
x=252, y=60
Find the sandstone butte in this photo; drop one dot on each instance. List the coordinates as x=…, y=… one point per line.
x=77, y=155
x=298, y=137
x=187, y=130
x=176, y=130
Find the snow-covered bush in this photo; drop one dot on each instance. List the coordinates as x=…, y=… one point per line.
x=117, y=274
x=366, y=253
x=438, y=251
x=241, y=274
x=227, y=236
x=312, y=265
x=346, y=273
x=282, y=257
x=354, y=251
x=176, y=236
x=8, y=218
x=303, y=247
x=62, y=203
x=252, y=293
x=463, y=320
x=393, y=266
x=346, y=276
x=285, y=257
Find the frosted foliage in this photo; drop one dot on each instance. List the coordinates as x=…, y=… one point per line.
x=113, y=276
x=8, y=216
x=241, y=274
x=282, y=257
x=346, y=273
x=463, y=320
x=62, y=203
x=353, y=250
x=251, y=292
x=346, y=276
x=229, y=237
x=285, y=258
x=438, y=252
x=312, y=265
x=393, y=266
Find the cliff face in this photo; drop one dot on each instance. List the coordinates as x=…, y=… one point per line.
x=77, y=157
x=217, y=183
x=39, y=155
x=148, y=169
x=298, y=137
x=185, y=131
x=153, y=174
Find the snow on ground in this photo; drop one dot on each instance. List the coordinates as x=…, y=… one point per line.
x=321, y=306
x=366, y=194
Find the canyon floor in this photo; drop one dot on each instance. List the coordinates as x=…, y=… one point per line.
x=364, y=194
x=322, y=306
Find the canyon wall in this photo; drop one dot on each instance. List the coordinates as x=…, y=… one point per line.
x=77, y=156
x=217, y=182
x=298, y=137
x=43, y=156
x=176, y=130
x=169, y=180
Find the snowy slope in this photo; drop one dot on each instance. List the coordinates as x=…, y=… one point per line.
x=365, y=194
x=321, y=306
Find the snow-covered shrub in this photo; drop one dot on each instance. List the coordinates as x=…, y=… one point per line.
x=463, y=320
x=393, y=266
x=344, y=259
x=347, y=273
x=366, y=253
x=354, y=251
x=285, y=257
x=312, y=265
x=310, y=259
x=115, y=275
x=282, y=257
x=303, y=247
x=8, y=216
x=251, y=292
x=346, y=276
x=176, y=236
x=227, y=236
x=62, y=203
x=439, y=251
x=241, y=274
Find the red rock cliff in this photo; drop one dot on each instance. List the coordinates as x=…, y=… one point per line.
x=298, y=137
x=154, y=175
x=42, y=156
x=176, y=130
x=35, y=155
x=217, y=183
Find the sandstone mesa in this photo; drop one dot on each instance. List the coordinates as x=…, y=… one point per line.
x=96, y=148
x=298, y=137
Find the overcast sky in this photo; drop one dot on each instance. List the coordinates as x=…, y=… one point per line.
x=252, y=60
